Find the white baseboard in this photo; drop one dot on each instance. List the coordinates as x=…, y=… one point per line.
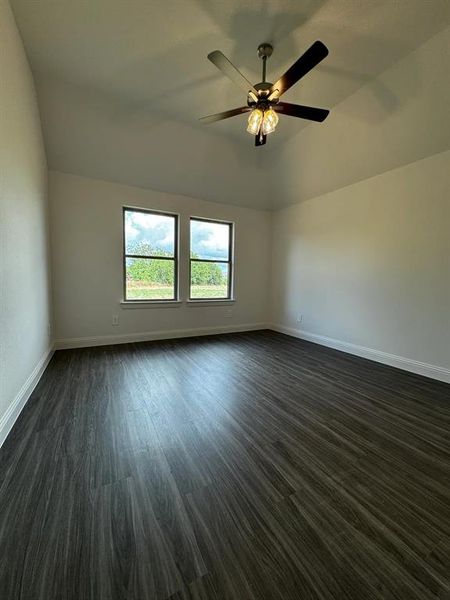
x=15, y=408
x=401, y=362
x=126, y=338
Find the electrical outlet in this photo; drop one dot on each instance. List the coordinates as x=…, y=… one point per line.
x=228, y=313
x=115, y=320
x=299, y=318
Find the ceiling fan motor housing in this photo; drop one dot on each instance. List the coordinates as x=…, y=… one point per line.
x=263, y=89
x=263, y=86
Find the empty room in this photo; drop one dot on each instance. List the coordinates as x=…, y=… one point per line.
x=224, y=300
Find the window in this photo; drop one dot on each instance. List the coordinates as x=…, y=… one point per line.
x=211, y=260
x=150, y=255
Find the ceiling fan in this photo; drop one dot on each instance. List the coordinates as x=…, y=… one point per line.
x=263, y=99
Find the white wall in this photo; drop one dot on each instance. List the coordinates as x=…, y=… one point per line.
x=398, y=118
x=24, y=270
x=94, y=135
x=369, y=265
x=364, y=254
x=86, y=226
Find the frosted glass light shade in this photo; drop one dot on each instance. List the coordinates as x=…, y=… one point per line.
x=254, y=121
x=270, y=121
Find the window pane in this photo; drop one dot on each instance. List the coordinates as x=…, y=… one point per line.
x=210, y=240
x=150, y=279
x=149, y=234
x=209, y=280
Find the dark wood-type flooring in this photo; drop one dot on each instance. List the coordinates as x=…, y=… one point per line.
x=244, y=466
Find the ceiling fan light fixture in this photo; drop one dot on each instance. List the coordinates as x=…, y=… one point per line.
x=253, y=97
x=263, y=98
x=270, y=121
x=254, y=121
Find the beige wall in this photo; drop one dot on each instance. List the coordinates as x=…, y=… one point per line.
x=24, y=272
x=369, y=264
x=86, y=224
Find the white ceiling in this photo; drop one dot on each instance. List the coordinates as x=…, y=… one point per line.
x=146, y=61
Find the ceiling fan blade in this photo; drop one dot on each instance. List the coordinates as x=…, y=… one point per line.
x=303, y=112
x=260, y=140
x=225, y=115
x=221, y=62
x=312, y=57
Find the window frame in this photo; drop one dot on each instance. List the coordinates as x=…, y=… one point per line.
x=229, y=262
x=175, y=257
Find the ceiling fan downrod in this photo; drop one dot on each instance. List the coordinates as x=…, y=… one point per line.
x=264, y=52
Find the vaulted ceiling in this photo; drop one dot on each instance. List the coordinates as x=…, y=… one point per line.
x=122, y=83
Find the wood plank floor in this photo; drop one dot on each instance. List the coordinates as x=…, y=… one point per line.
x=244, y=466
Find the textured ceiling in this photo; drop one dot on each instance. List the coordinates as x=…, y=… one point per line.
x=148, y=60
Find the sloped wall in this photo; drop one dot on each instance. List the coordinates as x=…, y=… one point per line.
x=24, y=259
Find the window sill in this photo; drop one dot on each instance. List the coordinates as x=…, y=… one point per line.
x=212, y=302
x=175, y=303
x=150, y=303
